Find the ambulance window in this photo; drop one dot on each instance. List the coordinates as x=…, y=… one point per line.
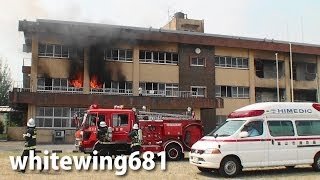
x=281, y=128
x=254, y=128
x=308, y=128
x=120, y=119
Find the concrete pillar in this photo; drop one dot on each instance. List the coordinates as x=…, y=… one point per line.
x=86, y=78
x=287, y=78
x=252, y=75
x=31, y=111
x=34, y=64
x=136, y=71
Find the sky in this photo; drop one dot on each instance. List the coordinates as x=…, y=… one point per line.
x=289, y=20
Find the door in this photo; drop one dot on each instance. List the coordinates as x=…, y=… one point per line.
x=253, y=149
x=282, y=144
x=121, y=126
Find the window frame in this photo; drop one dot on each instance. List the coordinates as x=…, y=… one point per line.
x=199, y=87
x=197, y=58
x=282, y=129
x=223, y=62
x=108, y=55
x=54, y=55
x=310, y=126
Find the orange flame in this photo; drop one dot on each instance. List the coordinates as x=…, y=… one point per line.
x=94, y=83
x=78, y=81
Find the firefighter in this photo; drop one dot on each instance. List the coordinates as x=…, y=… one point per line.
x=135, y=136
x=103, y=138
x=30, y=140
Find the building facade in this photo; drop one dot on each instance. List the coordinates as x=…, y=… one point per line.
x=169, y=69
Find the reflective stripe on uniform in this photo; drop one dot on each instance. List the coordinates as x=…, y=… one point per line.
x=31, y=147
x=136, y=144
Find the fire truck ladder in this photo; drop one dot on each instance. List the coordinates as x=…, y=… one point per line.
x=143, y=115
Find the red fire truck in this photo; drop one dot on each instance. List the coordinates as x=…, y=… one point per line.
x=172, y=133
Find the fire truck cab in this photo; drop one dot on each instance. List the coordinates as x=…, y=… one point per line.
x=172, y=133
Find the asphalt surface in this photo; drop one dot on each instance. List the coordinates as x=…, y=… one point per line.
x=175, y=170
x=17, y=146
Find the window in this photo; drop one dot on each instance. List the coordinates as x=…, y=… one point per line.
x=254, y=128
x=123, y=87
x=225, y=91
x=308, y=128
x=240, y=92
x=53, y=50
x=234, y=62
x=218, y=91
x=120, y=119
x=220, y=119
x=55, y=116
x=198, y=91
x=198, y=61
x=158, y=57
x=280, y=128
x=118, y=54
x=227, y=129
x=55, y=84
x=233, y=92
x=159, y=89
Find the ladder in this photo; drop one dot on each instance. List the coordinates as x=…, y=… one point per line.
x=143, y=115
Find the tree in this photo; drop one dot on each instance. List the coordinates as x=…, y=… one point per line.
x=5, y=83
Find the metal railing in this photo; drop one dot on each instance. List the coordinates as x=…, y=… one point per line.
x=59, y=89
x=112, y=91
x=170, y=93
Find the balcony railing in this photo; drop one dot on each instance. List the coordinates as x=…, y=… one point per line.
x=59, y=89
x=111, y=91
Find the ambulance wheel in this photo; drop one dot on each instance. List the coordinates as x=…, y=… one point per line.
x=202, y=169
x=174, y=152
x=229, y=167
x=316, y=164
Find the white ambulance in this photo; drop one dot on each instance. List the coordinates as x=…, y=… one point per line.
x=261, y=135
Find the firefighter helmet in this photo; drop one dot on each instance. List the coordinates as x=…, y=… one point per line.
x=102, y=124
x=135, y=126
x=31, y=123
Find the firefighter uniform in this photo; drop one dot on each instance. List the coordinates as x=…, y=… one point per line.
x=30, y=140
x=103, y=137
x=135, y=140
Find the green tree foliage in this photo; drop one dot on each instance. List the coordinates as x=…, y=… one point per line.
x=5, y=83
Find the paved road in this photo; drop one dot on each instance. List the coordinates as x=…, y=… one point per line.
x=175, y=170
x=14, y=146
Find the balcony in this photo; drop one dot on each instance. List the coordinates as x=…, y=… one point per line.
x=180, y=100
x=269, y=82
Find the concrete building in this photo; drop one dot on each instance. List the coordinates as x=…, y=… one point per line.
x=178, y=66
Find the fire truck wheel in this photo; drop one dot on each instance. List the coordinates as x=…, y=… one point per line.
x=229, y=167
x=316, y=164
x=205, y=169
x=174, y=152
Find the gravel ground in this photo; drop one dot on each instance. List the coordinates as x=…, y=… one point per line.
x=174, y=170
